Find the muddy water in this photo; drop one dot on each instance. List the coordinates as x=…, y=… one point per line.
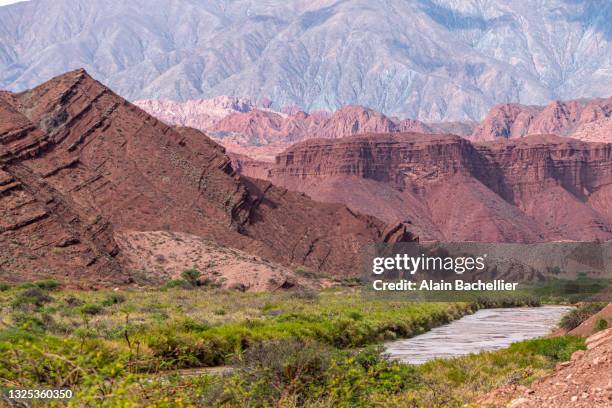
x=487, y=329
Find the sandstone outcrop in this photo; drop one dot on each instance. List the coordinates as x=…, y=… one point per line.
x=262, y=133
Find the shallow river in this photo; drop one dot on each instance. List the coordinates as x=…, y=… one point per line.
x=487, y=329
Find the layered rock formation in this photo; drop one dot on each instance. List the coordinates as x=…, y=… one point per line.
x=588, y=120
x=532, y=189
x=79, y=164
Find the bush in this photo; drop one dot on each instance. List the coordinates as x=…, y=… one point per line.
x=175, y=283
x=91, y=309
x=113, y=299
x=602, y=324
x=175, y=349
x=49, y=284
x=305, y=294
x=285, y=367
x=577, y=316
x=4, y=287
x=28, y=321
x=73, y=301
x=295, y=373
x=191, y=276
x=555, y=348
x=31, y=297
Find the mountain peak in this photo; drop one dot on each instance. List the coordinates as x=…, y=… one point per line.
x=78, y=164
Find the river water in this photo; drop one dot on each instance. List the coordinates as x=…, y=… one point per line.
x=487, y=329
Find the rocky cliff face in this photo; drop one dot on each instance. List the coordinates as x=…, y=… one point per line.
x=78, y=164
x=532, y=189
x=587, y=120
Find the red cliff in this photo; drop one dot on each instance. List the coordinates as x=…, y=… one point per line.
x=531, y=189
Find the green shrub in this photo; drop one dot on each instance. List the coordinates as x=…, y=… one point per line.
x=4, y=287
x=305, y=294
x=309, y=374
x=194, y=325
x=50, y=362
x=555, y=348
x=72, y=301
x=176, y=349
x=49, y=284
x=28, y=321
x=32, y=297
x=91, y=309
x=113, y=299
x=285, y=367
x=355, y=315
x=602, y=324
x=191, y=276
x=175, y=283
x=577, y=316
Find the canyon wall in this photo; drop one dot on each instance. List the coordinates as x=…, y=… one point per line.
x=530, y=189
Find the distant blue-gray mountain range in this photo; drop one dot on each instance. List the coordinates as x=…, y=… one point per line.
x=432, y=60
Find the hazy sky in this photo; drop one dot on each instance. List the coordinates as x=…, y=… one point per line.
x=5, y=2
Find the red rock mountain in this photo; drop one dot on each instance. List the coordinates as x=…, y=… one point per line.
x=532, y=189
x=78, y=165
x=262, y=133
x=588, y=120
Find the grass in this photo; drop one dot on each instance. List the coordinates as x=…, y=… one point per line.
x=292, y=348
x=181, y=328
x=290, y=373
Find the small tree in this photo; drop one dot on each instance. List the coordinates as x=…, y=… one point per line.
x=191, y=276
